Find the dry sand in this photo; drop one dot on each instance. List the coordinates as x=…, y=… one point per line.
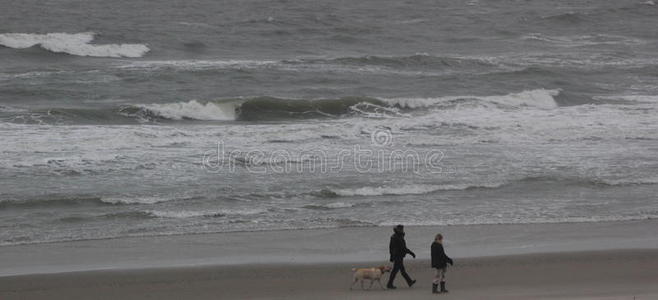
x=613, y=274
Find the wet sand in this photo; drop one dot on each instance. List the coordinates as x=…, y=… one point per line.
x=612, y=274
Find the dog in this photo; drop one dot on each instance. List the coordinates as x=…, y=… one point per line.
x=373, y=274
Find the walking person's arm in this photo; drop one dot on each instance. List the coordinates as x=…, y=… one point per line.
x=445, y=256
x=406, y=250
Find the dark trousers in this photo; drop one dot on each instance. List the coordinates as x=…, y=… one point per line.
x=398, y=265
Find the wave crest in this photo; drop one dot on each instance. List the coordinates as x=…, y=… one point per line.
x=539, y=98
x=192, y=110
x=412, y=189
x=71, y=43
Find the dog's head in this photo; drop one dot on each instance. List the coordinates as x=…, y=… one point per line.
x=385, y=269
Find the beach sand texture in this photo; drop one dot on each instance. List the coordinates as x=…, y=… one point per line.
x=615, y=274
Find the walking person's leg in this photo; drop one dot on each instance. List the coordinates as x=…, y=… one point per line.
x=394, y=272
x=403, y=271
x=443, y=279
x=436, y=280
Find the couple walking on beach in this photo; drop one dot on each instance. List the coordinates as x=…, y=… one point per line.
x=398, y=250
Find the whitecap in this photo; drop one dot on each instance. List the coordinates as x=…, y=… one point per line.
x=412, y=189
x=539, y=98
x=209, y=111
x=71, y=43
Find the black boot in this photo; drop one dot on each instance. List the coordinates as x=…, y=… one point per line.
x=411, y=283
x=435, y=288
x=443, y=287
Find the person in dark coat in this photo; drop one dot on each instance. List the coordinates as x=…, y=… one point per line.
x=398, y=249
x=440, y=262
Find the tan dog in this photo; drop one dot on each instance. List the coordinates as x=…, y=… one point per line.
x=373, y=274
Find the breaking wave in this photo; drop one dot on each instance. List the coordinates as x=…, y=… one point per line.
x=420, y=189
x=412, y=189
x=71, y=43
x=540, y=98
x=272, y=109
x=192, y=110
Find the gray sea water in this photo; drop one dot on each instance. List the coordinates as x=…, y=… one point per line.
x=131, y=118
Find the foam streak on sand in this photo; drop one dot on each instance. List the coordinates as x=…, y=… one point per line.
x=71, y=43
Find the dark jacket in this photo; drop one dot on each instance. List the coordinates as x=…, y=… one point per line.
x=439, y=257
x=398, y=247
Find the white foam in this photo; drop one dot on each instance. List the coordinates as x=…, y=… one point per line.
x=133, y=200
x=413, y=189
x=197, y=64
x=71, y=43
x=11, y=109
x=370, y=110
x=209, y=111
x=338, y=205
x=583, y=40
x=539, y=98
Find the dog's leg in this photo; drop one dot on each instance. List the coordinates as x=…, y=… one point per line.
x=380, y=283
x=371, y=282
x=354, y=282
x=362, y=284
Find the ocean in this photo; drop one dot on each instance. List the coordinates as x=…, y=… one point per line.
x=142, y=118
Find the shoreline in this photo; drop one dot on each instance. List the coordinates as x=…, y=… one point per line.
x=336, y=245
x=610, y=274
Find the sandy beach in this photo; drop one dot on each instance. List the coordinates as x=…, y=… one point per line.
x=617, y=274
x=609, y=260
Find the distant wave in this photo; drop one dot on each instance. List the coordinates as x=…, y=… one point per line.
x=419, y=60
x=51, y=202
x=405, y=65
x=204, y=213
x=540, y=98
x=411, y=189
x=585, y=181
x=11, y=109
x=272, y=108
x=583, y=40
x=71, y=43
x=58, y=201
x=197, y=64
x=135, y=200
x=255, y=109
x=630, y=98
x=420, y=189
x=192, y=110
